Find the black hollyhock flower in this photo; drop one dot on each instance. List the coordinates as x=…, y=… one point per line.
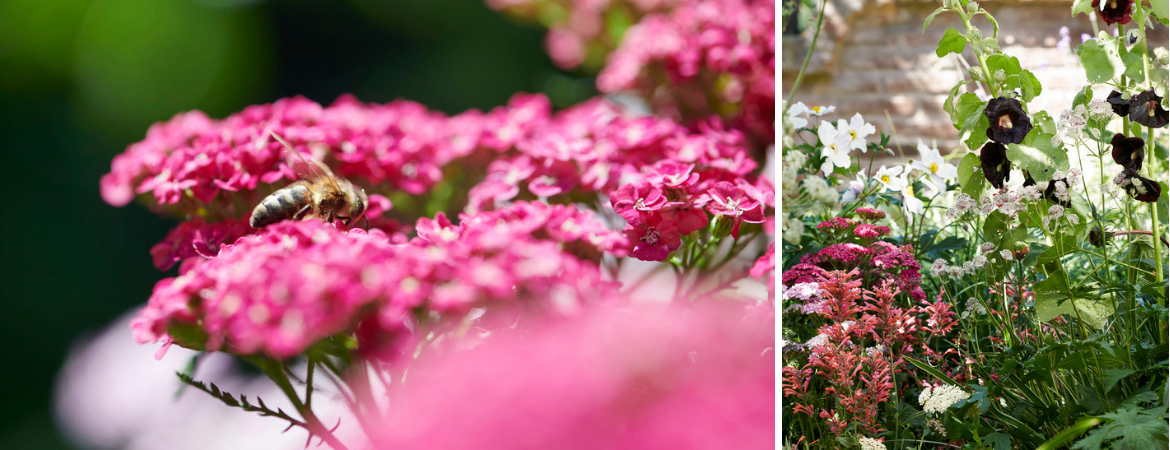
x=1140, y=188
x=1007, y=121
x=1063, y=198
x=1129, y=152
x=1120, y=105
x=1146, y=109
x=996, y=167
x=1115, y=11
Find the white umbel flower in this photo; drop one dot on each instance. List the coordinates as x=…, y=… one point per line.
x=871, y=444
x=937, y=399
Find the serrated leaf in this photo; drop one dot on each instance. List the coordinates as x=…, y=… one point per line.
x=978, y=134
x=1161, y=10
x=1083, y=97
x=930, y=18
x=1136, y=430
x=1052, y=300
x=1082, y=6
x=1029, y=85
x=1112, y=376
x=1000, y=441
x=1101, y=60
x=1041, y=159
x=971, y=179
x=952, y=42
x=969, y=110
x=1133, y=62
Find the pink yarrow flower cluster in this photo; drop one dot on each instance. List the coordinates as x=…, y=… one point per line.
x=719, y=57
x=580, y=34
x=184, y=164
x=279, y=291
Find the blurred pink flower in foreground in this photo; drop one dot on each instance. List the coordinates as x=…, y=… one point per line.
x=642, y=379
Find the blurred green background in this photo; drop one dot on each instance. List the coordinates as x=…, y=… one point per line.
x=82, y=79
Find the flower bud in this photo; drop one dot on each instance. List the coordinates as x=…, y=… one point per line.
x=999, y=76
x=976, y=34
x=976, y=73
x=972, y=7
x=722, y=227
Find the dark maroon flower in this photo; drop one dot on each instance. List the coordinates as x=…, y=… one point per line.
x=1140, y=188
x=1007, y=121
x=996, y=167
x=1120, y=105
x=1115, y=11
x=1146, y=109
x=1129, y=152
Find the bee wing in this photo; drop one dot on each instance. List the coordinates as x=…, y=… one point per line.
x=307, y=169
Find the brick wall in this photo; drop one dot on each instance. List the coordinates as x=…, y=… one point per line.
x=873, y=57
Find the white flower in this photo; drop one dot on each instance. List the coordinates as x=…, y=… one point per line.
x=1074, y=219
x=819, y=190
x=912, y=203
x=1100, y=109
x=794, y=113
x=793, y=229
x=890, y=177
x=980, y=261
x=836, y=147
x=1056, y=211
x=804, y=291
x=933, y=164
x=821, y=110
x=986, y=247
x=938, y=267
x=1006, y=255
x=856, y=130
x=817, y=341
x=938, y=399
x=871, y=444
x=854, y=189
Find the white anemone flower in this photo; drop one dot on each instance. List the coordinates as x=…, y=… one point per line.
x=821, y=110
x=891, y=177
x=935, y=167
x=857, y=130
x=794, y=115
x=836, y=147
x=912, y=203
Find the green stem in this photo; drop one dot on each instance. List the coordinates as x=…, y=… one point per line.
x=987, y=79
x=275, y=371
x=808, y=57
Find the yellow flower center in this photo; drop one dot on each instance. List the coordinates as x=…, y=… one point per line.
x=909, y=190
x=885, y=178
x=816, y=109
x=853, y=134
x=933, y=167
x=1150, y=107
x=1005, y=121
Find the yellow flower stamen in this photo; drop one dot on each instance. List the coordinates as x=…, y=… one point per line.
x=1005, y=121
x=933, y=167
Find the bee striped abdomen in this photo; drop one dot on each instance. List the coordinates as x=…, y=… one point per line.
x=283, y=204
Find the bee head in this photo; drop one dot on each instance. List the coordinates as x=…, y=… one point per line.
x=358, y=202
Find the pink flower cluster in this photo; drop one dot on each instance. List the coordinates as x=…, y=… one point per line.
x=879, y=261
x=719, y=57
x=639, y=379
x=579, y=34
x=294, y=283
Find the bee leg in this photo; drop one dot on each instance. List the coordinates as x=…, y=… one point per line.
x=301, y=214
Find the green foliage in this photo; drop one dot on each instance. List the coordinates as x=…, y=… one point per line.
x=1101, y=59
x=952, y=42
x=1082, y=6
x=1038, y=156
x=971, y=179
x=1129, y=429
x=242, y=403
x=1161, y=9
x=1016, y=77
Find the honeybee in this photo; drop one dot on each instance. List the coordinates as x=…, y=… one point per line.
x=319, y=194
